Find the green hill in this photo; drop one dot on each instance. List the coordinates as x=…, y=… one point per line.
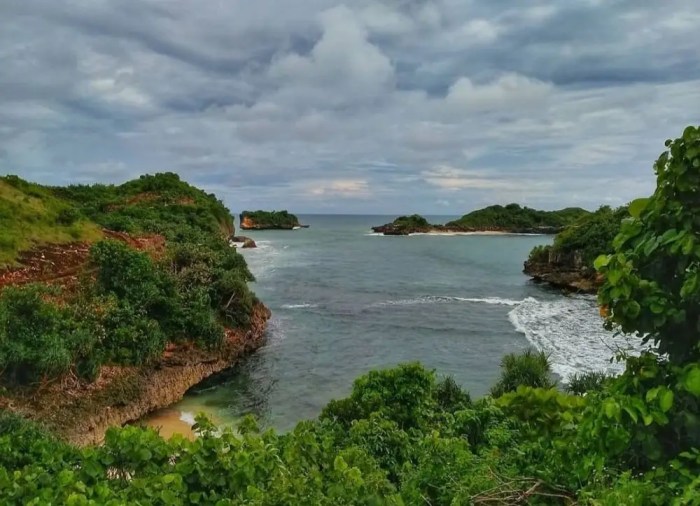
x=513, y=217
x=34, y=215
x=172, y=279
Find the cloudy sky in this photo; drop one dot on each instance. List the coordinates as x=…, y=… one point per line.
x=368, y=106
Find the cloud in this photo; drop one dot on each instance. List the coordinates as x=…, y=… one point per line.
x=453, y=179
x=344, y=188
x=508, y=91
x=370, y=106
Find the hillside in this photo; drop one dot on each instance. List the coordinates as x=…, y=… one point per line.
x=122, y=288
x=32, y=215
x=568, y=263
x=268, y=220
x=515, y=218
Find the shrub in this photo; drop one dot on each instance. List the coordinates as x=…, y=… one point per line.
x=450, y=396
x=530, y=368
x=581, y=383
x=131, y=337
x=34, y=336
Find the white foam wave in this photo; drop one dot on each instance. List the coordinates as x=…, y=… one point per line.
x=298, y=306
x=570, y=331
x=187, y=417
x=438, y=299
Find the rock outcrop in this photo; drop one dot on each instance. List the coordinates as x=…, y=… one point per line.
x=81, y=413
x=245, y=242
x=563, y=270
x=269, y=220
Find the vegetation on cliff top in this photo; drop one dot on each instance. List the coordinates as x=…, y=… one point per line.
x=270, y=219
x=31, y=214
x=515, y=217
x=127, y=305
x=403, y=437
x=589, y=236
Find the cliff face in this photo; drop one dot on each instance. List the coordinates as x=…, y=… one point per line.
x=82, y=413
x=567, y=271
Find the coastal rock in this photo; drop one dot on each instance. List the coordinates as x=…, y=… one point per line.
x=246, y=242
x=567, y=271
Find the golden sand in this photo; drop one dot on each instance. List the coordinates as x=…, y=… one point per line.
x=168, y=422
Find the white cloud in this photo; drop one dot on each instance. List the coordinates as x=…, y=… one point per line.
x=362, y=107
x=345, y=188
x=342, y=60
x=506, y=92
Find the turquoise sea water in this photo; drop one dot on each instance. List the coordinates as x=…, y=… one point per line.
x=345, y=301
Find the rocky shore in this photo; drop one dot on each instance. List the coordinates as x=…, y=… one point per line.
x=81, y=412
x=565, y=271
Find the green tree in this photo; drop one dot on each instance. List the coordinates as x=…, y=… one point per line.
x=652, y=279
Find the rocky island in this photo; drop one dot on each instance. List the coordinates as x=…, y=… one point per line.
x=115, y=300
x=269, y=220
x=568, y=262
x=512, y=219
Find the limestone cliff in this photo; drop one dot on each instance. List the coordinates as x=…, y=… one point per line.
x=562, y=270
x=82, y=412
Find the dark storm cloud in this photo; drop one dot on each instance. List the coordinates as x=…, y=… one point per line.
x=368, y=106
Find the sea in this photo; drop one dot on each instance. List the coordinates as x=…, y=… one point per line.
x=345, y=301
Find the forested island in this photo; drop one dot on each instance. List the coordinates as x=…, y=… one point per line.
x=114, y=300
x=511, y=218
x=403, y=436
x=269, y=220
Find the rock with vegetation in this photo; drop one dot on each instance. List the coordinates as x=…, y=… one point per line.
x=404, y=225
x=568, y=262
x=164, y=292
x=405, y=437
x=268, y=220
x=512, y=219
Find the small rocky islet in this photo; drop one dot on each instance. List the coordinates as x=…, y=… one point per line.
x=269, y=220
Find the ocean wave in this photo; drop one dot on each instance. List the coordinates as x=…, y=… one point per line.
x=438, y=299
x=187, y=417
x=298, y=306
x=570, y=331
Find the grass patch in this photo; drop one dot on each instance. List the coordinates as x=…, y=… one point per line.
x=31, y=216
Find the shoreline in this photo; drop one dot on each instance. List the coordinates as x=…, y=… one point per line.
x=455, y=234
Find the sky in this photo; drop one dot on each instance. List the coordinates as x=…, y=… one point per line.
x=368, y=106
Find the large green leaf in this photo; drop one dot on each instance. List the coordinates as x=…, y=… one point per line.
x=691, y=381
x=637, y=206
x=666, y=400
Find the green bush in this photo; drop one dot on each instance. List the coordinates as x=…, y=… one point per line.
x=37, y=338
x=131, y=337
x=530, y=368
x=582, y=383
